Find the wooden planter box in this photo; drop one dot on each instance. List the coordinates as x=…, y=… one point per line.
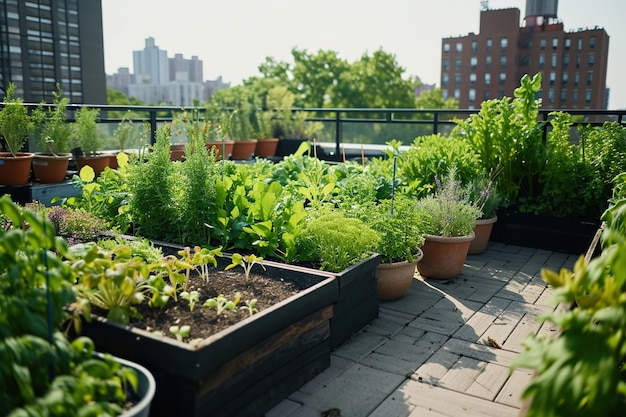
x=569, y=235
x=241, y=371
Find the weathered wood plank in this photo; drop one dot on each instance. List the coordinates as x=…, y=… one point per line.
x=489, y=382
x=462, y=374
x=512, y=390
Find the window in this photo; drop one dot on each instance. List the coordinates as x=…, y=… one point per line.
x=486, y=95
x=576, y=79
x=552, y=78
x=457, y=64
x=577, y=60
x=542, y=44
x=501, y=93
x=542, y=60
x=563, y=94
x=503, y=60
x=459, y=47
x=580, y=43
x=568, y=43
x=588, y=95
x=575, y=96
x=444, y=80
x=474, y=46
x=457, y=80
x=591, y=59
x=489, y=44
x=487, y=78
x=589, y=77
x=488, y=62
x=502, y=77
x=457, y=93
x=565, y=61
x=555, y=43
x=504, y=42
x=473, y=62
x=445, y=94
x=553, y=60
x=592, y=41
x=471, y=94
x=472, y=78
x=564, y=78
x=446, y=47
x=551, y=96
x=446, y=64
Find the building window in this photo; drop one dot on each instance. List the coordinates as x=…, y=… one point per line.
x=564, y=78
x=474, y=46
x=589, y=77
x=576, y=79
x=471, y=94
x=457, y=80
x=575, y=96
x=503, y=60
x=591, y=59
x=446, y=47
x=486, y=95
x=555, y=43
x=542, y=60
x=487, y=78
x=457, y=64
x=459, y=47
x=444, y=80
x=472, y=78
x=551, y=96
x=568, y=43
x=580, y=43
x=502, y=77
x=489, y=44
x=446, y=64
x=577, y=60
x=563, y=94
x=552, y=78
x=457, y=93
x=473, y=62
x=542, y=44
x=588, y=95
x=445, y=94
x=504, y=42
x=501, y=93
x=565, y=61
x=488, y=62
x=592, y=42
x=553, y=60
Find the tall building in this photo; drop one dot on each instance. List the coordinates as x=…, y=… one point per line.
x=491, y=63
x=182, y=69
x=151, y=65
x=46, y=42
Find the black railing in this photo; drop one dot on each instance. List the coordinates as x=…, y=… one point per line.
x=350, y=128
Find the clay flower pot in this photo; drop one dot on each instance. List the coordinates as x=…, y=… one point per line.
x=266, y=147
x=444, y=257
x=244, y=149
x=50, y=169
x=483, y=233
x=97, y=162
x=15, y=170
x=394, y=279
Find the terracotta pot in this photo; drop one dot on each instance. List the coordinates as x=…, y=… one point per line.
x=50, y=169
x=226, y=148
x=444, y=257
x=244, y=149
x=483, y=232
x=266, y=147
x=394, y=279
x=97, y=162
x=177, y=152
x=15, y=170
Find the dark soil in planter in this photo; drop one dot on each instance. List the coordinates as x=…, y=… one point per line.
x=204, y=321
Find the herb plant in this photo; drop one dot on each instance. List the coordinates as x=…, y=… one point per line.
x=221, y=303
x=246, y=262
x=15, y=123
x=86, y=130
x=52, y=127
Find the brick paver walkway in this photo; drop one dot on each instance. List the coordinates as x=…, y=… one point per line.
x=429, y=353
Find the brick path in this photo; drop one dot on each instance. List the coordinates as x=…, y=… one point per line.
x=428, y=353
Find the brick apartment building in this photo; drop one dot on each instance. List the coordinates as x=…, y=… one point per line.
x=489, y=64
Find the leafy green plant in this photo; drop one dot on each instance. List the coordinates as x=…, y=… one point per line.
x=129, y=133
x=580, y=370
x=221, y=303
x=86, y=132
x=450, y=214
x=199, y=260
x=482, y=192
x=76, y=225
x=192, y=297
x=15, y=122
x=51, y=125
x=246, y=262
x=180, y=332
x=250, y=307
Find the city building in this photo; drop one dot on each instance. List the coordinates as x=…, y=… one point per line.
x=46, y=42
x=490, y=64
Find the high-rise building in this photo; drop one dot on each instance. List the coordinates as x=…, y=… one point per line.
x=151, y=65
x=46, y=42
x=491, y=63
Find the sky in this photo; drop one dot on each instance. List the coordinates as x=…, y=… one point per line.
x=233, y=37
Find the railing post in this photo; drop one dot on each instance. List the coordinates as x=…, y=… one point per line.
x=338, y=135
x=153, y=126
x=435, y=123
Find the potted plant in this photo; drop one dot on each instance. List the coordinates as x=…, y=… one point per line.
x=15, y=126
x=240, y=130
x=267, y=142
x=42, y=371
x=86, y=135
x=483, y=193
x=129, y=134
x=51, y=127
x=401, y=231
x=449, y=231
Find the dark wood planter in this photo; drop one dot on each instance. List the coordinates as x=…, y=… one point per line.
x=559, y=234
x=244, y=370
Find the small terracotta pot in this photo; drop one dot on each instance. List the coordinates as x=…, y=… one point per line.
x=97, y=162
x=444, y=257
x=15, y=170
x=394, y=279
x=226, y=148
x=50, y=169
x=177, y=152
x=266, y=147
x=483, y=233
x=244, y=149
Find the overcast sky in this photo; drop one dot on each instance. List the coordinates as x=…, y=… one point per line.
x=232, y=37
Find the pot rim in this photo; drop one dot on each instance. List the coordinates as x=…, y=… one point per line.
x=459, y=239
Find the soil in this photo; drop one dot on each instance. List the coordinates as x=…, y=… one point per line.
x=204, y=321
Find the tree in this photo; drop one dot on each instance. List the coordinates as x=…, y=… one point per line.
x=316, y=75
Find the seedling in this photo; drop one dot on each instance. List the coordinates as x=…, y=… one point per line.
x=221, y=303
x=193, y=297
x=180, y=332
x=246, y=262
x=251, y=307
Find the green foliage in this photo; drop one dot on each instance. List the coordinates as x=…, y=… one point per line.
x=86, y=133
x=51, y=127
x=288, y=123
x=130, y=134
x=336, y=241
x=221, y=303
x=76, y=225
x=450, y=214
x=15, y=122
x=180, y=332
x=482, y=192
x=246, y=262
x=580, y=371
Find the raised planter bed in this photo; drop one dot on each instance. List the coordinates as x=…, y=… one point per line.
x=244, y=370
